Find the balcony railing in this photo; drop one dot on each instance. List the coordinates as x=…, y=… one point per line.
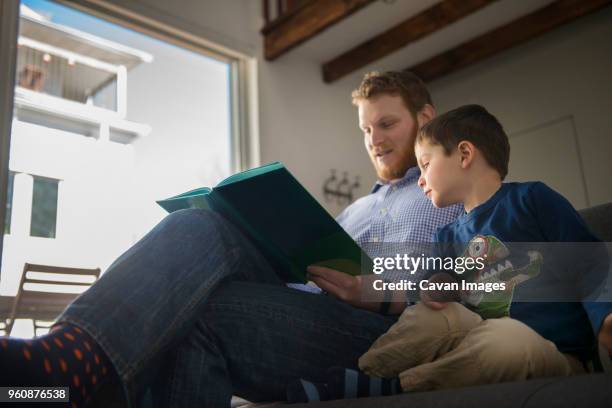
x=60, y=73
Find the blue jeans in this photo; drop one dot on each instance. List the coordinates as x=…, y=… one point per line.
x=194, y=313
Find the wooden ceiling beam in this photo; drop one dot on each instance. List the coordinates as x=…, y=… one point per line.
x=514, y=33
x=410, y=30
x=308, y=20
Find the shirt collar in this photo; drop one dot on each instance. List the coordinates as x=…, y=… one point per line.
x=412, y=174
x=482, y=208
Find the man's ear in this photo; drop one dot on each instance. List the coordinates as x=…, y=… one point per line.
x=467, y=151
x=427, y=113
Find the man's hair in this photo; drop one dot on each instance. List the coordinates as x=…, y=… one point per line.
x=474, y=124
x=412, y=90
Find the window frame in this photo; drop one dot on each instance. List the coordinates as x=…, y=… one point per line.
x=9, y=32
x=10, y=190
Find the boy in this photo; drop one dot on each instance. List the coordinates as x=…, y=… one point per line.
x=463, y=156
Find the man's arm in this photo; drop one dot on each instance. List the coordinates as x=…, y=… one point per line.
x=355, y=290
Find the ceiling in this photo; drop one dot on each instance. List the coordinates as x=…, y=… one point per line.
x=384, y=14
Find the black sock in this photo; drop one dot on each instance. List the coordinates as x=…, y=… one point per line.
x=66, y=357
x=344, y=383
x=306, y=391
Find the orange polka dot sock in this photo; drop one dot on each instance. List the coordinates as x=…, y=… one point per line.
x=67, y=356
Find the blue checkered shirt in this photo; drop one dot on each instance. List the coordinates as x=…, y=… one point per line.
x=395, y=213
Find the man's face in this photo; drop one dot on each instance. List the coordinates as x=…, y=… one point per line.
x=440, y=173
x=389, y=130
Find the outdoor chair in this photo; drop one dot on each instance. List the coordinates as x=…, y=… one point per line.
x=44, y=292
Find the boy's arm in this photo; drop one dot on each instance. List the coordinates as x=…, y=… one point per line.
x=561, y=223
x=438, y=299
x=557, y=218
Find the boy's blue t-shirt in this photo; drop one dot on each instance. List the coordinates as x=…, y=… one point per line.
x=532, y=213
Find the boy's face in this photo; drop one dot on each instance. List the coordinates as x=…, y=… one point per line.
x=389, y=130
x=440, y=173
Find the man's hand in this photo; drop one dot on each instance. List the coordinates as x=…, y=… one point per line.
x=340, y=285
x=605, y=333
x=350, y=289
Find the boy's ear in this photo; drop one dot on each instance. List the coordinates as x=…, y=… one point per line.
x=466, y=153
x=426, y=114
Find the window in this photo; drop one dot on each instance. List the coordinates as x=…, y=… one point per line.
x=9, y=203
x=128, y=117
x=44, y=207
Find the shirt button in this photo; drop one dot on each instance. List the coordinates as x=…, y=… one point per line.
x=383, y=211
x=374, y=239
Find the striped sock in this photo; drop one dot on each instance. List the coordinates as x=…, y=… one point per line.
x=344, y=383
x=306, y=391
x=66, y=357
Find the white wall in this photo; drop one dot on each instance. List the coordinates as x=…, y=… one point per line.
x=92, y=226
x=312, y=127
x=553, y=95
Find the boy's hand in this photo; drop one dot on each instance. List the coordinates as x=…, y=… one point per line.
x=439, y=299
x=433, y=305
x=605, y=334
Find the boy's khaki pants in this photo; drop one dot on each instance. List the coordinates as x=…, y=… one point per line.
x=453, y=347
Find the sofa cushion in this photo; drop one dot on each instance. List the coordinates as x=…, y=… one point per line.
x=599, y=220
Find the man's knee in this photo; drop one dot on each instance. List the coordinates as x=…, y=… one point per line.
x=193, y=221
x=192, y=215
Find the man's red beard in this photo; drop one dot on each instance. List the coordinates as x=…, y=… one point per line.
x=398, y=170
x=405, y=160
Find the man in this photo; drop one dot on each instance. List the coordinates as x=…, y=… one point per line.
x=194, y=313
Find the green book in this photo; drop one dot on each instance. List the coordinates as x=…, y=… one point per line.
x=289, y=227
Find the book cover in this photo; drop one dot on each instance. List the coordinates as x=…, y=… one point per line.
x=288, y=226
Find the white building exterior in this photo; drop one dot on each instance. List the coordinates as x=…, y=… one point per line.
x=72, y=133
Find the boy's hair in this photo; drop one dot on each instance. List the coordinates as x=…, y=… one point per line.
x=412, y=90
x=474, y=124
